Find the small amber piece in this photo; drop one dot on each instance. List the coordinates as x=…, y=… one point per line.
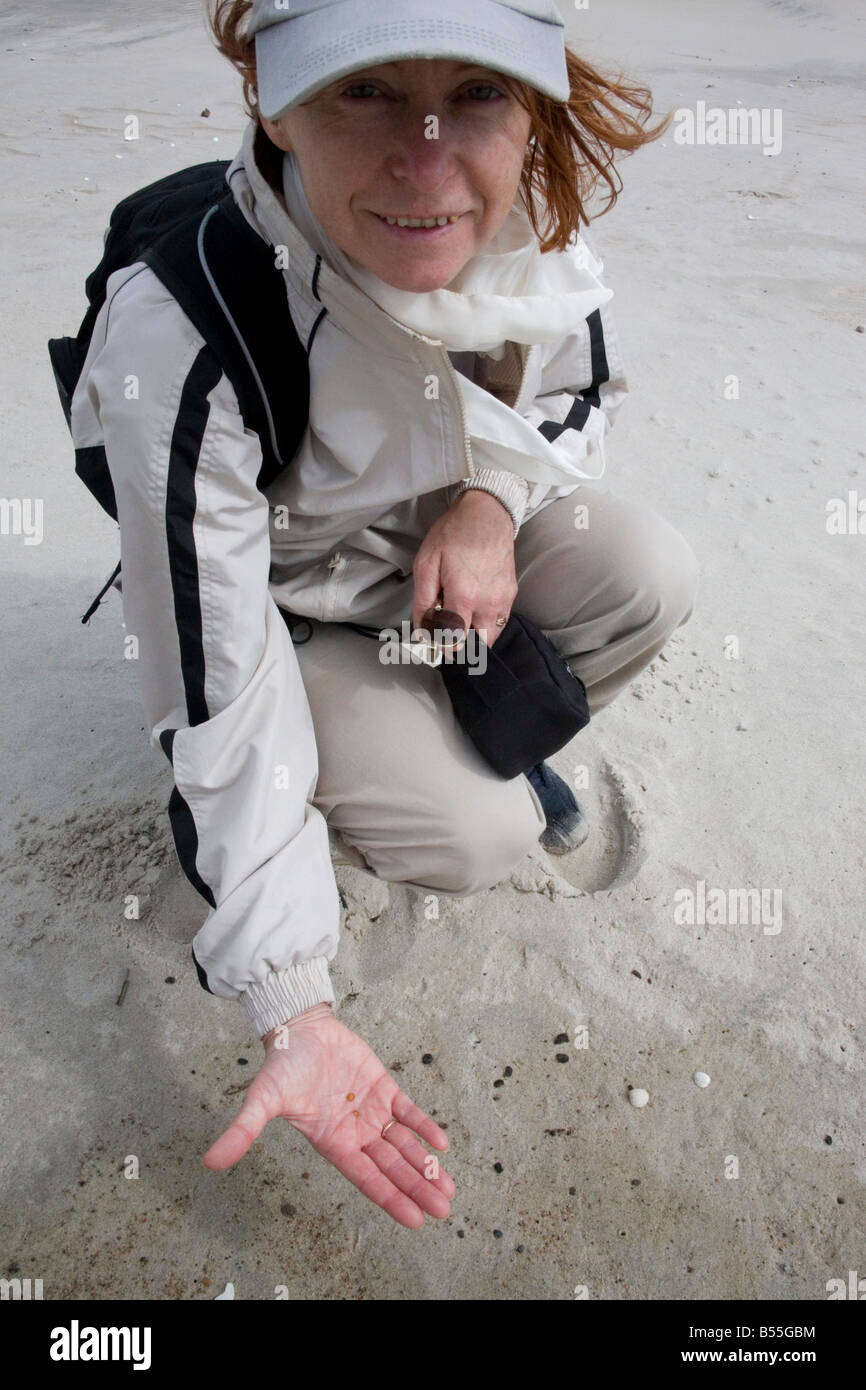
x=350, y=1096
x=356, y=1112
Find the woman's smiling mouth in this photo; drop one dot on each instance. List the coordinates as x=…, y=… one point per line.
x=419, y=221
x=417, y=227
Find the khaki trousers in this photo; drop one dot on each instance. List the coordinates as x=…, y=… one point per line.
x=398, y=777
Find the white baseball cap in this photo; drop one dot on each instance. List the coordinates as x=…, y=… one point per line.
x=525, y=39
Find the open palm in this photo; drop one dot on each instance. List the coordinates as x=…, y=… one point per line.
x=326, y=1081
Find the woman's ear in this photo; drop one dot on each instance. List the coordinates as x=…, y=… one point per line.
x=275, y=133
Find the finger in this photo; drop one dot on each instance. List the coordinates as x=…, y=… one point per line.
x=244, y=1129
x=407, y=1179
x=485, y=628
x=427, y=587
x=369, y=1179
x=427, y=1164
x=485, y=624
x=413, y=1117
x=457, y=600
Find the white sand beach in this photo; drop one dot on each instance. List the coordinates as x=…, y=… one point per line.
x=735, y=763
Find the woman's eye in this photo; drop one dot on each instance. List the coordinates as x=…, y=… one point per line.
x=484, y=87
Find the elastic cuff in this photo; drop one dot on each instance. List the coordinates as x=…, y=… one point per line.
x=508, y=488
x=285, y=993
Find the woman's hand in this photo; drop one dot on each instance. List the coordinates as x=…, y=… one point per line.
x=467, y=558
x=326, y=1081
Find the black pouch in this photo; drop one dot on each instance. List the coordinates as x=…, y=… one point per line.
x=525, y=706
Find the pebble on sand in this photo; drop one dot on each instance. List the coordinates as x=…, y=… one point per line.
x=638, y=1097
x=701, y=1078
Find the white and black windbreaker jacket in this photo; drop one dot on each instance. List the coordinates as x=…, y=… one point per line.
x=206, y=567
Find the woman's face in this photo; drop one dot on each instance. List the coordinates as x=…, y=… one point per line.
x=364, y=154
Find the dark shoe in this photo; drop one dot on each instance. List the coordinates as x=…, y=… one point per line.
x=567, y=826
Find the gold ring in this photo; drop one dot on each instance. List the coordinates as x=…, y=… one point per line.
x=500, y=621
x=387, y=1126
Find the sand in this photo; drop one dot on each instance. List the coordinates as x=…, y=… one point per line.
x=736, y=761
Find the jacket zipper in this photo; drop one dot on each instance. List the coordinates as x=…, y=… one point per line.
x=464, y=422
x=527, y=353
x=528, y=350
x=336, y=565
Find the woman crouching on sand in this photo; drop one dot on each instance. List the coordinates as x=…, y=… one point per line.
x=428, y=177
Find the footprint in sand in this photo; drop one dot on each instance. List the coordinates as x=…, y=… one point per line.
x=617, y=846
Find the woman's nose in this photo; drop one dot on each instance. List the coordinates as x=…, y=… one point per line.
x=421, y=149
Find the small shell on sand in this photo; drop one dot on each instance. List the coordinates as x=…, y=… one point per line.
x=638, y=1097
x=701, y=1078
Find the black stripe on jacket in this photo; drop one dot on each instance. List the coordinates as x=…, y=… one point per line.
x=183, y=828
x=186, y=843
x=180, y=507
x=585, y=400
x=180, y=504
